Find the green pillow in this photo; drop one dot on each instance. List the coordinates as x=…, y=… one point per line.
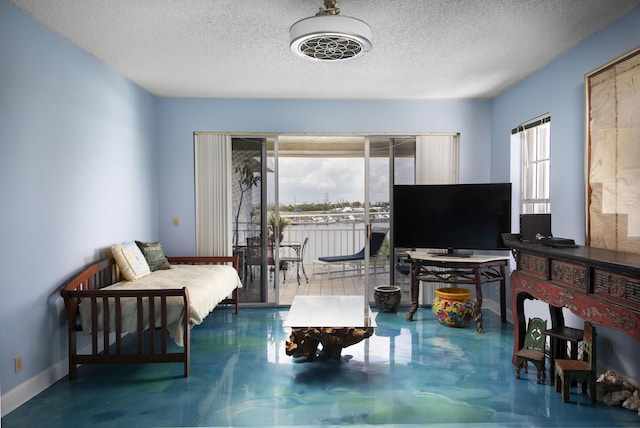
x=154, y=255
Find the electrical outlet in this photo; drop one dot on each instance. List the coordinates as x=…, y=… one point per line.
x=176, y=221
x=17, y=363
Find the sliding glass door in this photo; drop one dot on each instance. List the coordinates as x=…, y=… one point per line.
x=321, y=204
x=249, y=218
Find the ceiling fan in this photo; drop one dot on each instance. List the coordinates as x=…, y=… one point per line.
x=329, y=36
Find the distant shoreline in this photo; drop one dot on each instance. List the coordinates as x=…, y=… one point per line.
x=310, y=217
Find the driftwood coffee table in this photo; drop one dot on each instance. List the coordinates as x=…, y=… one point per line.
x=335, y=322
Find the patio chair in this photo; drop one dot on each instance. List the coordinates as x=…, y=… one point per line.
x=254, y=256
x=403, y=267
x=298, y=259
x=377, y=238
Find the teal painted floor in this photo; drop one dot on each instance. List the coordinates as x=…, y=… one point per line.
x=407, y=374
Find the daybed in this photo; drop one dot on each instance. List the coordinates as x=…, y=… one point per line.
x=105, y=300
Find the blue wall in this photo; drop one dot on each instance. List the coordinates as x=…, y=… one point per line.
x=558, y=89
x=179, y=118
x=77, y=174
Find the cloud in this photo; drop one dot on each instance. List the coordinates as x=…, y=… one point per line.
x=334, y=179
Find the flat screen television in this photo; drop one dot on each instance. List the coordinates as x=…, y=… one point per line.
x=451, y=216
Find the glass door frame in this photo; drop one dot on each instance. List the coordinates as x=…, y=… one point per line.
x=270, y=159
x=367, y=226
x=367, y=220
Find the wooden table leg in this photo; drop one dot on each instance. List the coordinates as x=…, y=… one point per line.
x=479, y=327
x=503, y=294
x=415, y=291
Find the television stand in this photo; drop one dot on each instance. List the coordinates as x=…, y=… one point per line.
x=475, y=269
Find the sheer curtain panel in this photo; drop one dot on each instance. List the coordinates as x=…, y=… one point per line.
x=213, y=194
x=436, y=159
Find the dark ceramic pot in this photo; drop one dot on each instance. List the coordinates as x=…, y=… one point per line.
x=387, y=297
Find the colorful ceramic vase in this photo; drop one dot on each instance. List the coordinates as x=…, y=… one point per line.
x=453, y=307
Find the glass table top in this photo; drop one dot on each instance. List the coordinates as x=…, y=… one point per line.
x=329, y=311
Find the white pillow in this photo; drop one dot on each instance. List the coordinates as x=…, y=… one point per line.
x=130, y=260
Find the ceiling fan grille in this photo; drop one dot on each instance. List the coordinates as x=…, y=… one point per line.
x=329, y=36
x=331, y=48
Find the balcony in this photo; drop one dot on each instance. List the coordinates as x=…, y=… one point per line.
x=336, y=284
x=337, y=279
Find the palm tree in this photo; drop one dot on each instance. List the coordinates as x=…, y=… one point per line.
x=282, y=223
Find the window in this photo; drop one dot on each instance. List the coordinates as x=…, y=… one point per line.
x=534, y=139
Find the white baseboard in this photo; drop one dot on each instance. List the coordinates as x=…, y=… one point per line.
x=38, y=383
x=33, y=386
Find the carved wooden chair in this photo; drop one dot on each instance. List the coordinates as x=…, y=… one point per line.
x=582, y=371
x=533, y=349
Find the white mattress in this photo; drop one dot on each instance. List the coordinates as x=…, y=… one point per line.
x=208, y=285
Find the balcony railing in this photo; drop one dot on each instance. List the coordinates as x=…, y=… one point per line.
x=340, y=238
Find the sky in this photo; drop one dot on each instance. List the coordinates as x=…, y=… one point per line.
x=314, y=180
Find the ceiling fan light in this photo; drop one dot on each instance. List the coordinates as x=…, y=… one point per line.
x=330, y=38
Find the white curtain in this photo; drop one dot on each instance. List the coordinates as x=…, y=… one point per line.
x=515, y=176
x=213, y=195
x=436, y=159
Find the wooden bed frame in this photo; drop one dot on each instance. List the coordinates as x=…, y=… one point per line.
x=88, y=285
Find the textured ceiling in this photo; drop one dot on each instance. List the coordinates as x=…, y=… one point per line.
x=240, y=48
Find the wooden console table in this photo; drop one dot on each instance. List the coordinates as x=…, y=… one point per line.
x=597, y=285
x=477, y=270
